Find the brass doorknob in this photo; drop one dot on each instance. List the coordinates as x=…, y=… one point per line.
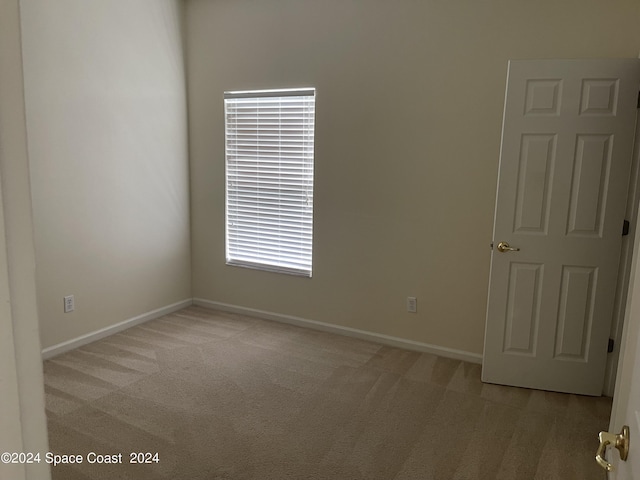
x=619, y=441
x=505, y=247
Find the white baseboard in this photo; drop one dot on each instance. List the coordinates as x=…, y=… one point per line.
x=110, y=330
x=351, y=332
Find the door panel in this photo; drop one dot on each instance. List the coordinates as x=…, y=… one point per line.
x=576, y=312
x=523, y=309
x=590, y=183
x=537, y=159
x=565, y=160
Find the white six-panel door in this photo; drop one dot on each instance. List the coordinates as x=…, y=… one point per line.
x=565, y=161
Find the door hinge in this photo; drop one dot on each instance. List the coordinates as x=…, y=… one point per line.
x=625, y=228
x=610, y=345
x=638, y=99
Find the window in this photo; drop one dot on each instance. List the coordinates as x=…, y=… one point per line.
x=269, y=140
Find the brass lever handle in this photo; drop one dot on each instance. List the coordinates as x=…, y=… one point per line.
x=619, y=441
x=505, y=247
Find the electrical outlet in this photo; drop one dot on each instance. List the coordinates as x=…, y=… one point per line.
x=412, y=304
x=69, y=304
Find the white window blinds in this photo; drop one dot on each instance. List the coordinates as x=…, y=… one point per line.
x=269, y=138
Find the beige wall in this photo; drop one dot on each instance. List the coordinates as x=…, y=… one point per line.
x=409, y=109
x=106, y=118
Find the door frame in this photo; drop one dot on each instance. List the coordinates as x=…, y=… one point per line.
x=23, y=421
x=628, y=369
x=617, y=332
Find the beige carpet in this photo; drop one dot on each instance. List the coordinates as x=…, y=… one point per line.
x=221, y=396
